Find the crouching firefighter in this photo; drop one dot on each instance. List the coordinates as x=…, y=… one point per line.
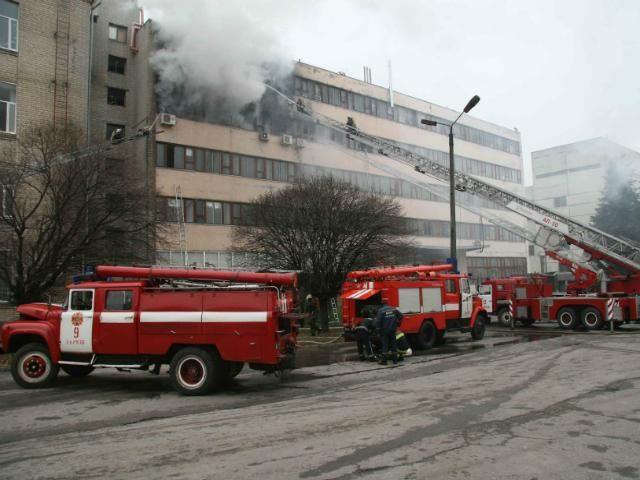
x=388, y=318
x=404, y=350
x=364, y=332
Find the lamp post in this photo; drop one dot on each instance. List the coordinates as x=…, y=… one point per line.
x=452, y=186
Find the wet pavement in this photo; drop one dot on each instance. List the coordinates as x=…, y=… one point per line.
x=524, y=404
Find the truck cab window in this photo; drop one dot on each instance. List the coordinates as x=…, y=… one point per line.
x=118, y=300
x=450, y=286
x=81, y=300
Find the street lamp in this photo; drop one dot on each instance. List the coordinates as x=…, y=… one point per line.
x=452, y=186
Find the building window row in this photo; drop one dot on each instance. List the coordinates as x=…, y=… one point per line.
x=206, y=259
x=496, y=267
x=213, y=212
x=7, y=107
x=463, y=164
x=225, y=163
x=8, y=25
x=465, y=230
x=380, y=108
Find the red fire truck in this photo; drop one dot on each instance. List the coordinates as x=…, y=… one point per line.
x=589, y=299
x=432, y=302
x=205, y=324
x=496, y=294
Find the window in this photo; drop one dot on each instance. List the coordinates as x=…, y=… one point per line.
x=112, y=128
x=214, y=213
x=116, y=96
x=560, y=202
x=117, y=64
x=117, y=33
x=8, y=25
x=118, y=300
x=81, y=300
x=7, y=107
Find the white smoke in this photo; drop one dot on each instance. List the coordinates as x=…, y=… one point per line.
x=214, y=55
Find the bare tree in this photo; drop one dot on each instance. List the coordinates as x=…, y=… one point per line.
x=66, y=205
x=324, y=228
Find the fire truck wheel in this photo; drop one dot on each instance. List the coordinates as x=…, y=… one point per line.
x=567, y=318
x=504, y=318
x=591, y=318
x=77, y=370
x=32, y=366
x=477, y=332
x=426, y=336
x=196, y=371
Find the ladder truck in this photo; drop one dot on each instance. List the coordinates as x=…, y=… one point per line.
x=206, y=324
x=432, y=299
x=614, y=259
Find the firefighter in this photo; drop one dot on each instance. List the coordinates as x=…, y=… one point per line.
x=312, y=306
x=404, y=350
x=364, y=331
x=388, y=319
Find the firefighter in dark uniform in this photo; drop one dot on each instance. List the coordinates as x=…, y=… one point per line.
x=364, y=332
x=388, y=319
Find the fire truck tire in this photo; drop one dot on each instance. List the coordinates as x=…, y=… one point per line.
x=32, y=366
x=479, y=326
x=426, y=336
x=196, y=371
x=567, y=318
x=591, y=318
x=440, y=338
x=504, y=317
x=77, y=370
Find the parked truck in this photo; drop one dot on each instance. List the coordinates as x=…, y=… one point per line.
x=432, y=299
x=205, y=324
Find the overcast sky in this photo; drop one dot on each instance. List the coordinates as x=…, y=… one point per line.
x=558, y=70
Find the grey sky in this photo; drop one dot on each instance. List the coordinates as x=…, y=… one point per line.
x=558, y=70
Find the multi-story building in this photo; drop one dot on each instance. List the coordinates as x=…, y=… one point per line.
x=211, y=171
x=43, y=71
x=570, y=179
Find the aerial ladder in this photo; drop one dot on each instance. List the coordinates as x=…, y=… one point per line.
x=556, y=232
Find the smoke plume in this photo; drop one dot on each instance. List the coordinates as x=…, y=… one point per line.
x=213, y=57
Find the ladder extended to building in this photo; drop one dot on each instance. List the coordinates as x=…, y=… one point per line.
x=599, y=245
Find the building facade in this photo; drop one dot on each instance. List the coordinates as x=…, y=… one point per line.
x=571, y=178
x=208, y=172
x=44, y=63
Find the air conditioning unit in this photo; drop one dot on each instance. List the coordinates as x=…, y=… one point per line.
x=167, y=119
x=287, y=140
x=299, y=142
x=263, y=136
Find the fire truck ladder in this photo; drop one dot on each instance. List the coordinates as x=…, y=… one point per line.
x=588, y=238
x=182, y=234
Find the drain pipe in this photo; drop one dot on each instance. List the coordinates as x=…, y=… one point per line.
x=90, y=69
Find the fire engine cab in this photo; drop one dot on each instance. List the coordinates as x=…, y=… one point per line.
x=205, y=324
x=432, y=302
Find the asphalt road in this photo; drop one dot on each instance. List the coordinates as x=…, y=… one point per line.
x=560, y=407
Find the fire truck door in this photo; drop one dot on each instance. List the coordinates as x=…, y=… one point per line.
x=116, y=324
x=466, y=298
x=76, y=323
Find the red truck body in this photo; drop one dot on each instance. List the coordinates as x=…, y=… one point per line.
x=147, y=323
x=432, y=302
